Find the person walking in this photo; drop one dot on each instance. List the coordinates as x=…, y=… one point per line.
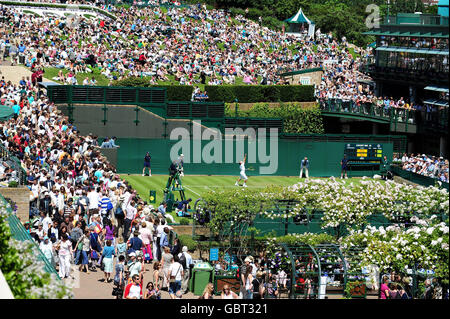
x=83, y=248
x=119, y=279
x=108, y=258
x=134, y=289
x=304, y=166
x=64, y=248
x=175, y=276
x=166, y=260
x=344, y=166
x=185, y=260
x=147, y=164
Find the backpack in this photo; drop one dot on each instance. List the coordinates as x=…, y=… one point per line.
x=182, y=261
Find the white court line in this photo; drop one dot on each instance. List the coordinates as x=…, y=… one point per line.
x=192, y=191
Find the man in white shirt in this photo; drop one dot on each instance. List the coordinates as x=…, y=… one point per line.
x=186, y=268
x=46, y=221
x=130, y=213
x=176, y=272
x=93, y=197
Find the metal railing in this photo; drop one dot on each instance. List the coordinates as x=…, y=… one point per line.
x=367, y=110
x=18, y=232
x=15, y=163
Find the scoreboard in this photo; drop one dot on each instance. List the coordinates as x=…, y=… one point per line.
x=364, y=153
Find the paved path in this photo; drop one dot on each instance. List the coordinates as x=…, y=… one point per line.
x=15, y=73
x=90, y=286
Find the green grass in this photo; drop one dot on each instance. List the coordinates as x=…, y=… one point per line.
x=102, y=80
x=195, y=186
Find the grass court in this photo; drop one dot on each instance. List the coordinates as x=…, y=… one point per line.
x=195, y=185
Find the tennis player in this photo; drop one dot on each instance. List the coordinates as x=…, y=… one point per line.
x=242, y=173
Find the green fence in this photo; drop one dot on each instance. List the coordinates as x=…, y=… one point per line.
x=417, y=178
x=14, y=162
x=324, y=153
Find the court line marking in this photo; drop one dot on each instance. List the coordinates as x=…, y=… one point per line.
x=192, y=191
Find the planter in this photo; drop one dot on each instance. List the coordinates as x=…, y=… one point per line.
x=357, y=289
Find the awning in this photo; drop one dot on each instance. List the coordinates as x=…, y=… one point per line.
x=436, y=102
x=407, y=34
x=436, y=88
x=299, y=18
x=5, y=113
x=413, y=50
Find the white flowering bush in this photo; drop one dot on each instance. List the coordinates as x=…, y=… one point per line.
x=422, y=246
x=352, y=205
x=341, y=205
x=23, y=271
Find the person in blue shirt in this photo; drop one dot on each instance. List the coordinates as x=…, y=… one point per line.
x=135, y=243
x=304, y=165
x=147, y=160
x=164, y=241
x=107, y=259
x=344, y=167
x=16, y=109
x=183, y=207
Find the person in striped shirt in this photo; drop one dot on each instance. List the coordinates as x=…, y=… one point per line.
x=104, y=206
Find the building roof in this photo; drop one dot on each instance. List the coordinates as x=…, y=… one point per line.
x=299, y=17
x=413, y=50
x=5, y=113
x=418, y=34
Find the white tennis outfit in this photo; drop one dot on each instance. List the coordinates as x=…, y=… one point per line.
x=242, y=168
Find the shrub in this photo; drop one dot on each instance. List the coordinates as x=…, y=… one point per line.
x=184, y=221
x=186, y=240
x=13, y=184
x=296, y=119
x=260, y=93
x=174, y=92
x=177, y=92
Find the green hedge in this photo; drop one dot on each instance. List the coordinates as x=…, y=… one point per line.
x=174, y=92
x=260, y=93
x=296, y=119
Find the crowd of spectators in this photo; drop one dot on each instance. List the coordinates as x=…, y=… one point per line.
x=81, y=211
x=431, y=166
x=188, y=46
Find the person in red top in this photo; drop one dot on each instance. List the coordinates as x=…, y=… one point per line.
x=134, y=289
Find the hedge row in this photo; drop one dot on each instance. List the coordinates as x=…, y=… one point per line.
x=229, y=93
x=174, y=92
x=260, y=93
x=296, y=119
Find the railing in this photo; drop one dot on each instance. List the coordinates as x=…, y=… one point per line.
x=367, y=110
x=191, y=110
x=81, y=94
x=416, y=178
x=416, y=19
x=15, y=163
